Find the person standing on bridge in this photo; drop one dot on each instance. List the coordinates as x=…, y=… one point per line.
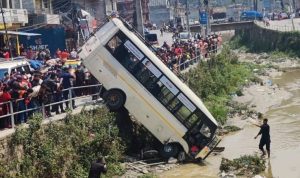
x=265, y=137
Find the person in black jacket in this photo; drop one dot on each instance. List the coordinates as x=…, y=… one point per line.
x=97, y=168
x=265, y=137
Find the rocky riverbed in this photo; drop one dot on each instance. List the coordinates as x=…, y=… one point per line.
x=261, y=98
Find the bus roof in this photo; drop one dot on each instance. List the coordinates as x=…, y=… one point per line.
x=182, y=86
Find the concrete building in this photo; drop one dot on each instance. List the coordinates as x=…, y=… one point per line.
x=126, y=10
x=15, y=17
x=40, y=12
x=166, y=11
x=14, y=14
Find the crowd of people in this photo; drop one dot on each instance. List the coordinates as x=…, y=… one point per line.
x=51, y=78
x=181, y=52
x=50, y=82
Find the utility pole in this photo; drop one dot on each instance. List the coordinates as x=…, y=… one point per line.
x=6, y=34
x=187, y=17
x=139, y=17
x=208, y=17
x=292, y=12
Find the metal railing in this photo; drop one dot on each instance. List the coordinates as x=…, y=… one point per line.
x=13, y=112
x=189, y=62
x=186, y=64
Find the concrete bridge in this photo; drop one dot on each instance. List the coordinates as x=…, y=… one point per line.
x=225, y=26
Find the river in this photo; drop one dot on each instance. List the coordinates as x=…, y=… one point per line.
x=284, y=122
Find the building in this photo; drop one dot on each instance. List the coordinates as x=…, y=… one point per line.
x=167, y=11
x=15, y=16
x=44, y=20
x=126, y=10
x=40, y=12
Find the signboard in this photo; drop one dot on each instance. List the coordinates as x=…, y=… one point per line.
x=51, y=38
x=186, y=102
x=134, y=50
x=203, y=18
x=169, y=85
x=152, y=68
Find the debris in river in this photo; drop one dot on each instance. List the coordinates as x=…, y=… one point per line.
x=245, y=165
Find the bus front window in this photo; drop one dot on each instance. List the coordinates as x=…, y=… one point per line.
x=205, y=130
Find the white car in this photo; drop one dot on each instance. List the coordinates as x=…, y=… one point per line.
x=185, y=36
x=21, y=65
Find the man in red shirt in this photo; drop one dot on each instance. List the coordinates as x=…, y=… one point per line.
x=6, y=55
x=4, y=107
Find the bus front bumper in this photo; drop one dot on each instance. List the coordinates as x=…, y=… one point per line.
x=208, y=149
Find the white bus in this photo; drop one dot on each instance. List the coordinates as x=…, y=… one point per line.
x=137, y=79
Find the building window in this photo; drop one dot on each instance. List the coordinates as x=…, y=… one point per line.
x=46, y=3
x=4, y=4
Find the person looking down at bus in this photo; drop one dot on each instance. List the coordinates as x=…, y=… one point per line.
x=265, y=137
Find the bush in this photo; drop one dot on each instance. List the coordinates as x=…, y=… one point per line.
x=64, y=149
x=215, y=80
x=245, y=165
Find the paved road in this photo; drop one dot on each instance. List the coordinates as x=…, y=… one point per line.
x=165, y=37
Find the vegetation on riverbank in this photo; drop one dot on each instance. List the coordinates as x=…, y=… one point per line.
x=64, y=149
x=217, y=79
x=258, y=40
x=245, y=165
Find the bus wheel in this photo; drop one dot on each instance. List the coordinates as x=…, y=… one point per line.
x=169, y=150
x=115, y=99
x=181, y=156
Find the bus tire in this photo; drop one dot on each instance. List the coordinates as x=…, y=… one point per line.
x=169, y=150
x=115, y=99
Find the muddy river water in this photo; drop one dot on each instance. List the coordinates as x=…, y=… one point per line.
x=284, y=121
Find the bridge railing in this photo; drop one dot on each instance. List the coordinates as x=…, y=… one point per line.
x=14, y=111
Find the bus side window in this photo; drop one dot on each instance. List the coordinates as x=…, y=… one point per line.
x=122, y=54
x=191, y=120
x=183, y=112
x=165, y=95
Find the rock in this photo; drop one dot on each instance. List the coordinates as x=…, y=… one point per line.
x=258, y=176
x=172, y=160
x=145, y=171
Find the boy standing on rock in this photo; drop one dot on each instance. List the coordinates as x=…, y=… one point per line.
x=265, y=137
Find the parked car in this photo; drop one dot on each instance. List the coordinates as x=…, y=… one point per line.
x=151, y=38
x=282, y=16
x=184, y=36
x=16, y=65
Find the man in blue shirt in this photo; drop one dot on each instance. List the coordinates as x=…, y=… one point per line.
x=67, y=82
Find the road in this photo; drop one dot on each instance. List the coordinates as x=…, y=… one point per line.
x=166, y=37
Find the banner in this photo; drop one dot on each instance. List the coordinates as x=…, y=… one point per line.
x=203, y=18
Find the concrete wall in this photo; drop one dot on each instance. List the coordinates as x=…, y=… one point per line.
x=259, y=39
